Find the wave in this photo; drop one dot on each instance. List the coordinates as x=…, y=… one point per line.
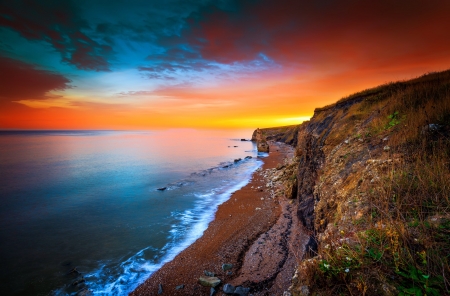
x=123, y=278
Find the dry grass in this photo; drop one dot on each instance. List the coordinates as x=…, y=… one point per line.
x=403, y=247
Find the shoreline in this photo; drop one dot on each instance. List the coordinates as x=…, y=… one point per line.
x=236, y=233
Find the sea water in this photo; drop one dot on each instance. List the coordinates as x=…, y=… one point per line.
x=89, y=201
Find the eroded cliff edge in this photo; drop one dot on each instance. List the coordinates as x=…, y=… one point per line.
x=372, y=189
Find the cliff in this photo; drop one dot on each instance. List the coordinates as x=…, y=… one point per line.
x=372, y=189
x=261, y=141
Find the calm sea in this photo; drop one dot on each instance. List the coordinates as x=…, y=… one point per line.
x=89, y=200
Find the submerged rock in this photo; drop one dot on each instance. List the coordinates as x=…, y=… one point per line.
x=162, y=188
x=209, y=281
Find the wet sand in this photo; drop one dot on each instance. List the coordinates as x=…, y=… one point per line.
x=254, y=231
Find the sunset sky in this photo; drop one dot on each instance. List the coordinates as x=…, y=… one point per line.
x=92, y=64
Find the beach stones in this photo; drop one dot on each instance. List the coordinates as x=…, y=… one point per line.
x=209, y=281
x=209, y=273
x=228, y=289
x=241, y=291
x=179, y=287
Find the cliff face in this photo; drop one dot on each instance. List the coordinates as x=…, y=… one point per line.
x=260, y=140
x=373, y=191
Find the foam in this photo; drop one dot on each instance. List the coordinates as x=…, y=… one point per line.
x=192, y=224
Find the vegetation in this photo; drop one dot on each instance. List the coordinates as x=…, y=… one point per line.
x=402, y=246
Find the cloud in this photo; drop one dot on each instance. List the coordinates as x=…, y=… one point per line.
x=60, y=24
x=22, y=81
x=321, y=33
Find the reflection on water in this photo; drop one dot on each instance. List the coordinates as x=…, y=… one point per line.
x=89, y=200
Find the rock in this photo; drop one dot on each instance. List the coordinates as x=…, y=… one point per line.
x=229, y=273
x=235, y=146
x=160, y=289
x=228, y=289
x=287, y=293
x=244, y=140
x=237, y=160
x=241, y=291
x=162, y=188
x=179, y=287
x=227, y=266
x=212, y=292
x=248, y=157
x=261, y=142
x=432, y=127
x=346, y=141
x=304, y=291
x=209, y=273
x=263, y=147
x=385, y=139
x=386, y=148
x=209, y=281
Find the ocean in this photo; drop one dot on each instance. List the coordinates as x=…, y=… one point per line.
x=81, y=210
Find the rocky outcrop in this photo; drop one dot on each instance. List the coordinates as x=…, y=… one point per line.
x=261, y=141
x=345, y=157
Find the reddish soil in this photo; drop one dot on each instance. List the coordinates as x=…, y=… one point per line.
x=254, y=232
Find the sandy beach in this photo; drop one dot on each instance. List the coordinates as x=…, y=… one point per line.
x=255, y=232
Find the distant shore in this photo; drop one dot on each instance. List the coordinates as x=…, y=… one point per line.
x=251, y=218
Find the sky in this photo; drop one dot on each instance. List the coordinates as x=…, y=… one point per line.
x=156, y=64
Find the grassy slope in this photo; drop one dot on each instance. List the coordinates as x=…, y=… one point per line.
x=382, y=195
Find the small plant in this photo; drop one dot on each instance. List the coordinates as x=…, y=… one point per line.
x=393, y=120
x=415, y=282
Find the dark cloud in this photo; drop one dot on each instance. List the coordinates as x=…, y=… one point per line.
x=59, y=23
x=20, y=81
x=324, y=31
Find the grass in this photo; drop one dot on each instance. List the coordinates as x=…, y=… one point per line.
x=403, y=246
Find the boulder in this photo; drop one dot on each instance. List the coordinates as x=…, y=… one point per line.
x=209, y=281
